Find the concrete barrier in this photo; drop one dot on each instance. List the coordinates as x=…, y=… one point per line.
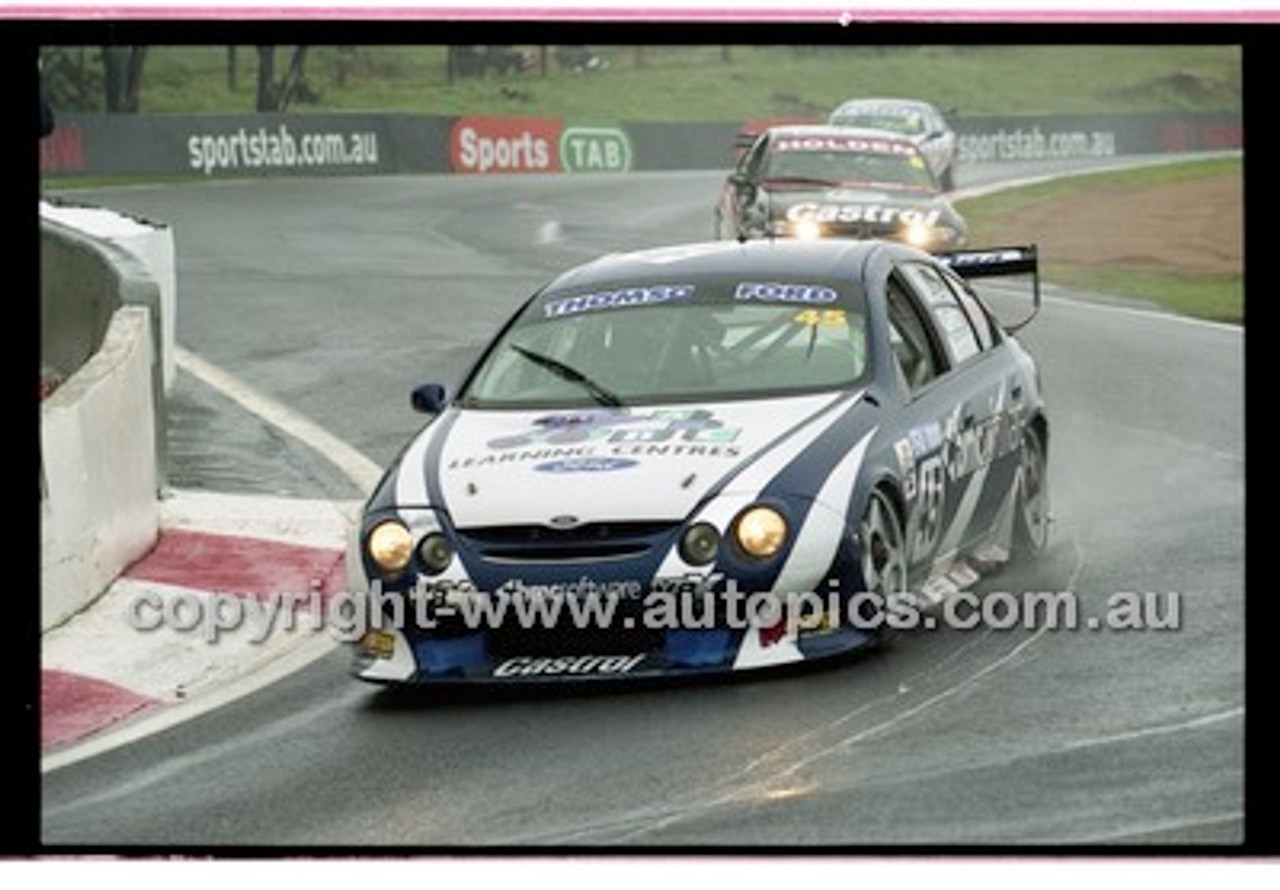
x=98, y=476
x=78, y=297
x=107, y=309
x=151, y=243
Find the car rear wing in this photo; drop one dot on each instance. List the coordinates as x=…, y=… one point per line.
x=997, y=261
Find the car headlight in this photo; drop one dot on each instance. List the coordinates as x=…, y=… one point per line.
x=699, y=544
x=760, y=531
x=806, y=230
x=918, y=235
x=390, y=546
x=800, y=229
x=922, y=236
x=435, y=553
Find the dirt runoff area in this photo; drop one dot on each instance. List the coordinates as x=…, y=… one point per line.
x=1191, y=227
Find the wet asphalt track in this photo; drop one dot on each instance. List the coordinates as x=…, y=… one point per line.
x=337, y=296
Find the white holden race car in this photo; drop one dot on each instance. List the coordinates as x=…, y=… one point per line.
x=924, y=124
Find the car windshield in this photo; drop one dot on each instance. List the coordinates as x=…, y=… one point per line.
x=899, y=120
x=839, y=166
x=746, y=344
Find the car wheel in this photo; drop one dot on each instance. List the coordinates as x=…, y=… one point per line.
x=1031, y=518
x=882, y=547
x=883, y=556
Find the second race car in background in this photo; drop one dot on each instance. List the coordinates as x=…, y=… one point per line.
x=820, y=181
x=922, y=123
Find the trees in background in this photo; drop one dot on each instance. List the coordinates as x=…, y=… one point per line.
x=111, y=78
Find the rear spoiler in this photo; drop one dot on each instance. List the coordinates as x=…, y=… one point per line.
x=997, y=261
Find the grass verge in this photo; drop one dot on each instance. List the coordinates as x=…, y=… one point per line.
x=686, y=82
x=1212, y=297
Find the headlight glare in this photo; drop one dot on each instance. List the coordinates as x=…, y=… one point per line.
x=390, y=545
x=806, y=230
x=918, y=235
x=760, y=531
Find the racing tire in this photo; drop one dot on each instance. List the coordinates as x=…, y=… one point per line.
x=1031, y=517
x=882, y=553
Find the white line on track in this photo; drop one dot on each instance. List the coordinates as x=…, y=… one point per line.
x=1132, y=163
x=311, y=648
x=1144, y=314
x=354, y=465
x=1146, y=732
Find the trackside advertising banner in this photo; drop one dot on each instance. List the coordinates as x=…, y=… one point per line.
x=538, y=145
x=504, y=145
x=239, y=146
x=1029, y=138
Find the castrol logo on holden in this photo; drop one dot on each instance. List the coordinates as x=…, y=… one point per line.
x=505, y=145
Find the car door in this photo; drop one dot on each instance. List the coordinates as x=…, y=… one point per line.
x=956, y=397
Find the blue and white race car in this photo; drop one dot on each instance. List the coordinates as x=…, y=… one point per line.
x=707, y=458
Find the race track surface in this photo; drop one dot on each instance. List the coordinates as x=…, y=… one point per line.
x=337, y=296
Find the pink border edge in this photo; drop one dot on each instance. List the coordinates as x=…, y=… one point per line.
x=647, y=14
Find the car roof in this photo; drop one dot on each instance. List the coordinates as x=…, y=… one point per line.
x=826, y=259
x=811, y=130
x=883, y=102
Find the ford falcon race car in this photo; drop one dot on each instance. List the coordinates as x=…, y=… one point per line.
x=912, y=119
x=707, y=458
x=820, y=181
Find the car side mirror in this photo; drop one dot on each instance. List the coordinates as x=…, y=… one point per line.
x=429, y=398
